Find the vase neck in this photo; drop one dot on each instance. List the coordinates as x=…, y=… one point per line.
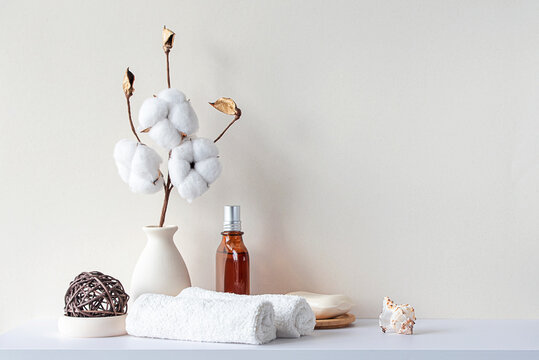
x=165, y=233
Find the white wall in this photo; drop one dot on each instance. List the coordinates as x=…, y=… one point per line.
x=386, y=148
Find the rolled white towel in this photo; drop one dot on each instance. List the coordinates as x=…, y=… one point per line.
x=293, y=315
x=184, y=318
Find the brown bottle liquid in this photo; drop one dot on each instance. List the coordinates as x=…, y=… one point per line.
x=232, y=257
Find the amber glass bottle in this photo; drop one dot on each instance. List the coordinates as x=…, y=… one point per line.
x=232, y=258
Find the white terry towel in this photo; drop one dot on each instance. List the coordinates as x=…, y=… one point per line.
x=183, y=318
x=293, y=315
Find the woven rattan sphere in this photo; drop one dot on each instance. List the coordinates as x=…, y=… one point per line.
x=94, y=294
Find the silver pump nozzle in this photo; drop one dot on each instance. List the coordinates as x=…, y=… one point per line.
x=232, y=218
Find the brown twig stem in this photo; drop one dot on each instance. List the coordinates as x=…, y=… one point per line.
x=168, y=184
x=131, y=119
x=168, y=68
x=168, y=188
x=236, y=118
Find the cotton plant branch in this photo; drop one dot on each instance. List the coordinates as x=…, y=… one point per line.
x=229, y=107
x=168, y=42
x=129, y=80
x=161, y=117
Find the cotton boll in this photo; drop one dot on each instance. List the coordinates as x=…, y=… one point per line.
x=193, y=186
x=138, y=166
x=209, y=169
x=145, y=184
x=151, y=112
x=180, y=111
x=178, y=170
x=183, y=117
x=203, y=149
x=172, y=97
x=180, y=161
x=146, y=162
x=184, y=152
x=165, y=135
x=124, y=172
x=193, y=166
x=145, y=176
x=124, y=150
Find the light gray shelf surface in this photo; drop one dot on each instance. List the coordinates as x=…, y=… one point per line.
x=433, y=339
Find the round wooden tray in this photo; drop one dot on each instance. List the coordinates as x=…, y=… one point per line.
x=336, y=322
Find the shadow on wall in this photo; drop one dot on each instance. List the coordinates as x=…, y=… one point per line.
x=276, y=267
x=269, y=185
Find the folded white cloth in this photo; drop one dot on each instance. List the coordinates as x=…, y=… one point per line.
x=293, y=315
x=198, y=319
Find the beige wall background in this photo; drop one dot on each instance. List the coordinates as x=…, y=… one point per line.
x=386, y=148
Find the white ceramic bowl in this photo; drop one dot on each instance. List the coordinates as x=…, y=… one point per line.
x=326, y=306
x=92, y=327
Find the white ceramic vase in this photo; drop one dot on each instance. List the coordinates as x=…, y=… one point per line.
x=160, y=268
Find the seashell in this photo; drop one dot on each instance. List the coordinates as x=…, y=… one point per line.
x=326, y=306
x=397, y=318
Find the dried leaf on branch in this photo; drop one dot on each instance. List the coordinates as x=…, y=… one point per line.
x=229, y=107
x=226, y=105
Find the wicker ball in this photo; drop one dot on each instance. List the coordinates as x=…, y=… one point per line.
x=94, y=294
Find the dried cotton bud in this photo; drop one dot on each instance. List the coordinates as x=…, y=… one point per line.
x=168, y=39
x=129, y=80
